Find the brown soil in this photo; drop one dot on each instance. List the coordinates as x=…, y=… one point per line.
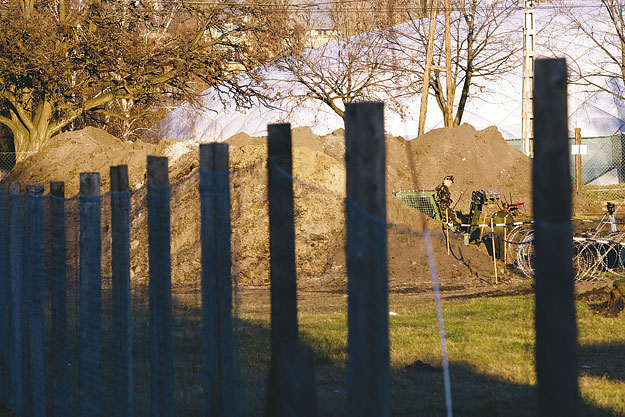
x=477, y=159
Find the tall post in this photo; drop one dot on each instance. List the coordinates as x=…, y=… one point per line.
x=122, y=319
x=281, y=235
x=292, y=388
x=16, y=299
x=578, y=160
x=219, y=375
x=90, y=304
x=366, y=253
x=161, y=317
x=529, y=54
x=556, y=332
x=36, y=299
x=428, y=68
x=58, y=301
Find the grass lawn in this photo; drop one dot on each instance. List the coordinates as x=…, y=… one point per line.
x=491, y=354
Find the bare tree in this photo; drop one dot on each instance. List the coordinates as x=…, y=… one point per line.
x=336, y=56
x=484, y=46
x=598, y=31
x=60, y=63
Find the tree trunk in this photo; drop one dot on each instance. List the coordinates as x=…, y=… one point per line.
x=27, y=142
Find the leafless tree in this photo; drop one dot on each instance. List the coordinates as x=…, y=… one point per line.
x=598, y=31
x=484, y=46
x=336, y=56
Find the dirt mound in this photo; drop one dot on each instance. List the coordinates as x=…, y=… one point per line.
x=477, y=159
x=91, y=149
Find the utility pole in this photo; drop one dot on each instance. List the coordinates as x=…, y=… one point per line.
x=529, y=53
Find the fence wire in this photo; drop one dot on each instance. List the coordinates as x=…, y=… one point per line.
x=320, y=254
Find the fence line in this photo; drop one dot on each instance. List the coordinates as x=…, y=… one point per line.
x=292, y=389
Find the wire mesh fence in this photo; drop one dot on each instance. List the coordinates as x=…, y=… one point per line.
x=8, y=161
x=320, y=251
x=603, y=168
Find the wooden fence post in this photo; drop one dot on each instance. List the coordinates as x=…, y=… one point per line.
x=556, y=333
x=366, y=252
x=5, y=288
x=161, y=318
x=16, y=308
x=90, y=304
x=122, y=317
x=218, y=379
x=292, y=388
x=58, y=302
x=35, y=304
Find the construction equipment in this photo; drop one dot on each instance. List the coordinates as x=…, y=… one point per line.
x=485, y=204
x=508, y=233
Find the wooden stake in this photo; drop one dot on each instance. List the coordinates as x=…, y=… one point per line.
x=492, y=239
x=447, y=229
x=578, y=161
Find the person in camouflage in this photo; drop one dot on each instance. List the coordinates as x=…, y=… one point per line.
x=444, y=200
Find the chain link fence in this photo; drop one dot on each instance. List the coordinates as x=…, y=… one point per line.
x=603, y=166
x=8, y=160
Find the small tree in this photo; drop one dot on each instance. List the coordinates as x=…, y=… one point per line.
x=60, y=63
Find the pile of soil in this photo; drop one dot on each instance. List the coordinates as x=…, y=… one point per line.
x=477, y=159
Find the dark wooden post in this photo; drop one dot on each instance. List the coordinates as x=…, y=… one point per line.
x=219, y=384
x=292, y=388
x=556, y=332
x=90, y=304
x=5, y=289
x=281, y=235
x=16, y=309
x=161, y=320
x=36, y=300
x=58, y=289
x=122, y=321
x=216, y=281
x=366, y=252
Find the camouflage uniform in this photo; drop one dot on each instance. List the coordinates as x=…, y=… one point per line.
x=443, y=198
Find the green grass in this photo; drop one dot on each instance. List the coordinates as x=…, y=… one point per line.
x=491, y=354
x=490, y=343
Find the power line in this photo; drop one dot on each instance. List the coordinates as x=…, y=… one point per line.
x=326, y=7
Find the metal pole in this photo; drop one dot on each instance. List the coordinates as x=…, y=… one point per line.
x=529, y=53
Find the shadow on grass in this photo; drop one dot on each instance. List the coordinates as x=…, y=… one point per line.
x=603, y=361
x=416, y=389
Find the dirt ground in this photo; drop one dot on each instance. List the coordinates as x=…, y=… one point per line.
x=477, y=160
